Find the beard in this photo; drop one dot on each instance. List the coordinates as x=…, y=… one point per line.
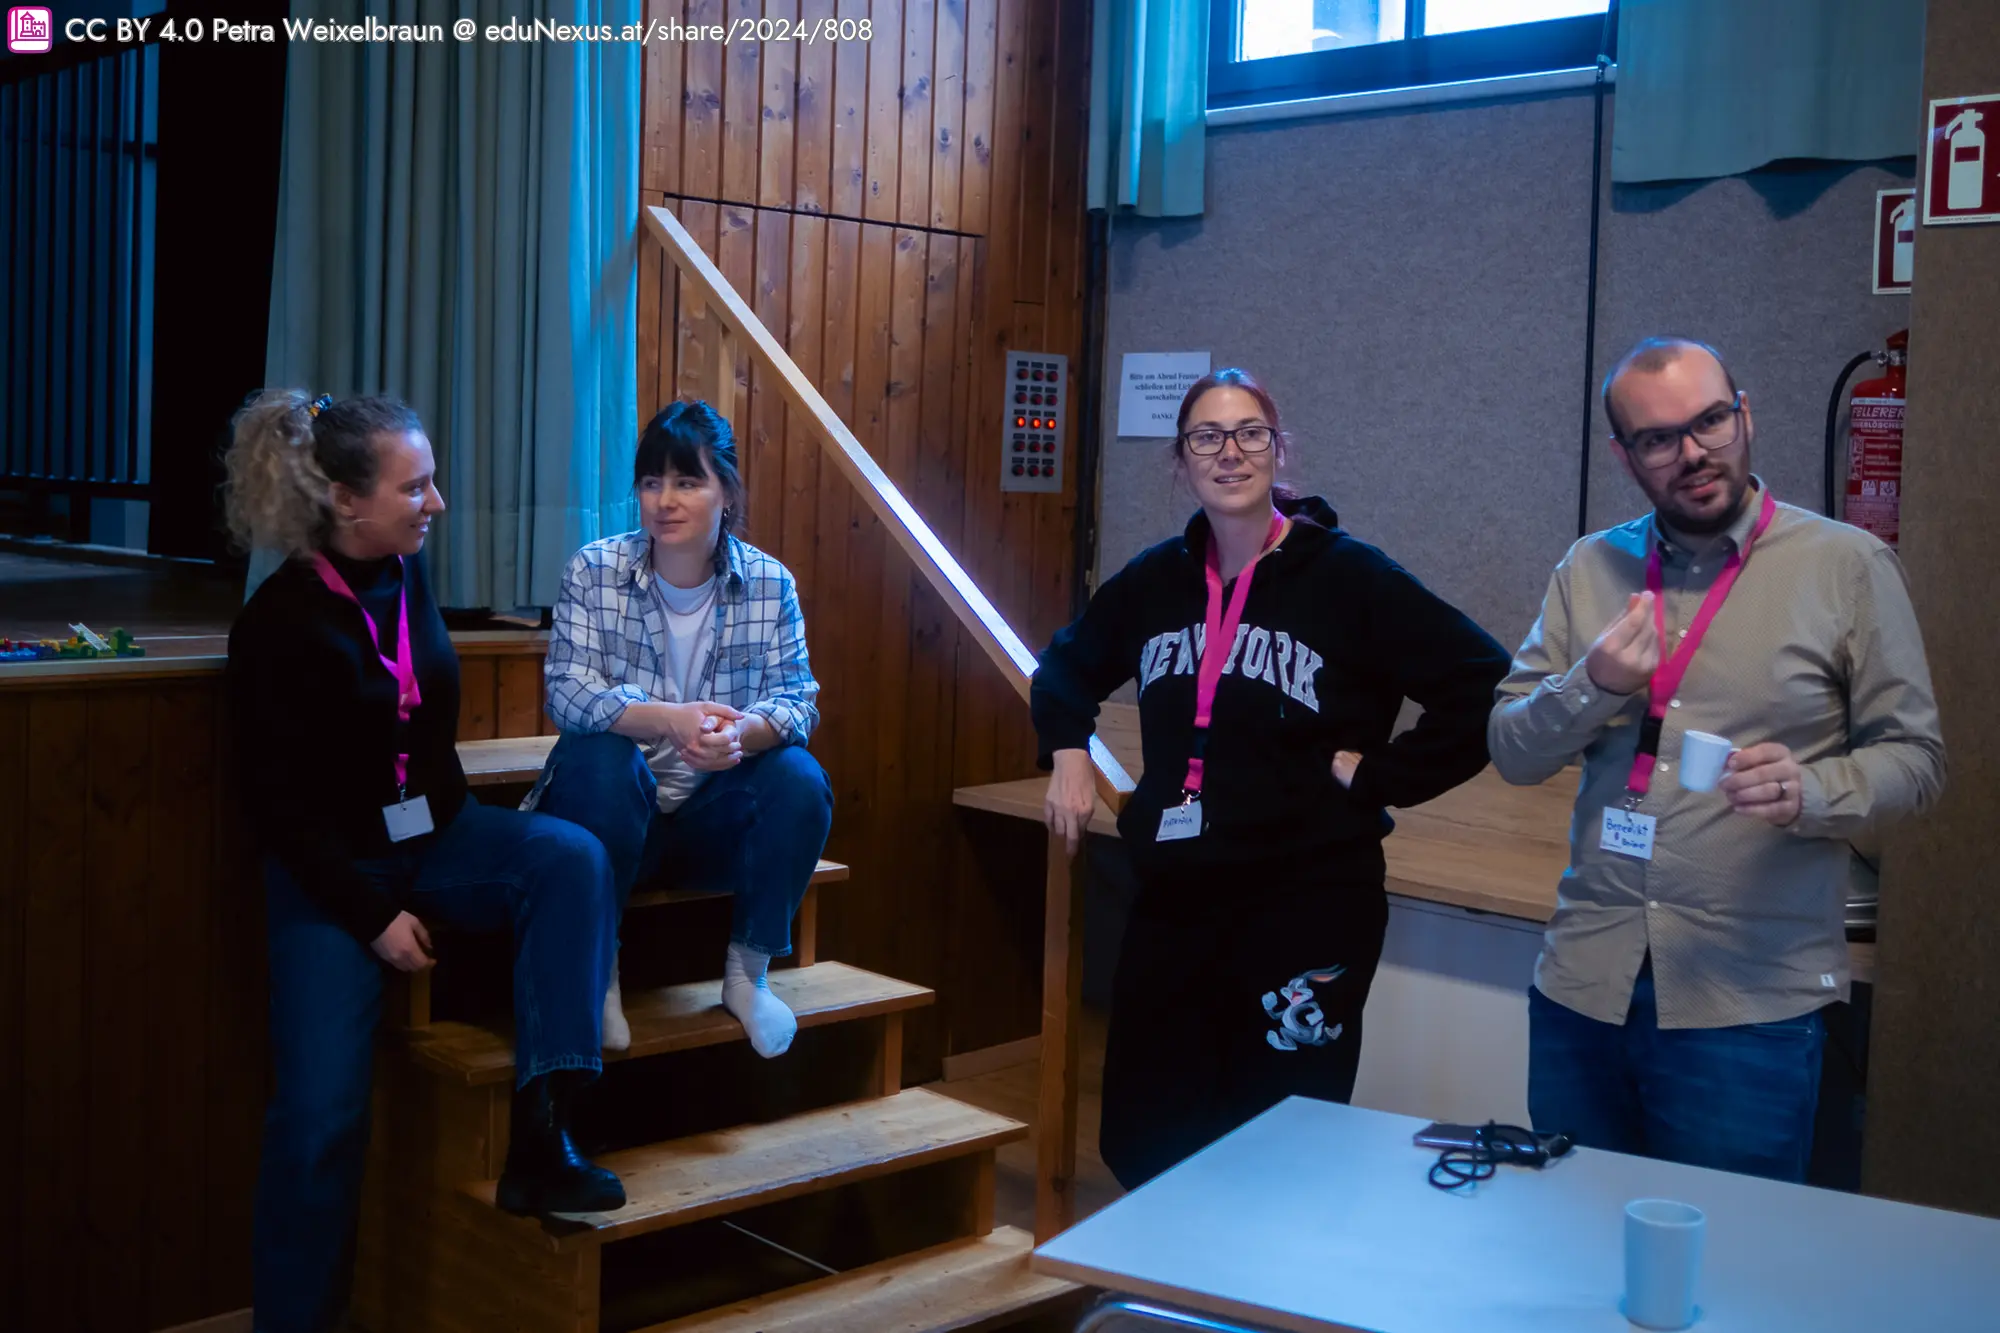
x=1672, y=508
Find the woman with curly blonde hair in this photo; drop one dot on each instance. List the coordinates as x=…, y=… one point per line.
x=343, y=690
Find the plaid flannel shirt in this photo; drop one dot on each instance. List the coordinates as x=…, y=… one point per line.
x=604, y=652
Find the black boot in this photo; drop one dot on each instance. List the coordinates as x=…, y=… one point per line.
x=545, y=1173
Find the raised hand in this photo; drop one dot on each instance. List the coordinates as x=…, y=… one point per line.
x=1625, y=656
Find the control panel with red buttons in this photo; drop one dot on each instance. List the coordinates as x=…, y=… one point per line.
x=1037, y=405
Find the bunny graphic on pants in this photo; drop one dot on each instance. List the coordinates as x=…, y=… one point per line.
x=1300, y=1020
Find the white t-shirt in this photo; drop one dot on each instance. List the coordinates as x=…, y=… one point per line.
x=690, y=630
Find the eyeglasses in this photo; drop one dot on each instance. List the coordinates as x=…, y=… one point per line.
x=1716, y=429
x=1208, y=441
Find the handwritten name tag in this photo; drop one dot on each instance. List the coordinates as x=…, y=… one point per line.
x=1180, y=821
x=1628, y=833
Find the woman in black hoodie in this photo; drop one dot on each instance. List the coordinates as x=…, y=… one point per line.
x=1256, y=829
x=343, y=688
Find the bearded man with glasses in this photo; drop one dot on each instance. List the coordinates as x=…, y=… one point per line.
x=1698, y=933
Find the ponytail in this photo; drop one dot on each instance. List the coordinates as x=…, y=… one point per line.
x=288, y=450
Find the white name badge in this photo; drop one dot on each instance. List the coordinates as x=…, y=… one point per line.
x=408, y=819
x=1180, y=821
x=1628, y=833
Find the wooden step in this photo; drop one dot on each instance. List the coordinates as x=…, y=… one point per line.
x=510, y=759
x=709, y=1175
x=958, y=1287
x=829, y=872
x=678, y=1018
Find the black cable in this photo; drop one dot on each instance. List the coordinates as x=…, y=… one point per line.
x=1494, y=1146
x=1833, y=419
x=1590, y=296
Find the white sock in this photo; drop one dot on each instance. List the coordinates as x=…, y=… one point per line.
x=746, y=993
x=617, y=1032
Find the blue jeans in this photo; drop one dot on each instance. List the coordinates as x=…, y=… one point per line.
x=755, y=831
x=1736, y=1099
x=493, y=869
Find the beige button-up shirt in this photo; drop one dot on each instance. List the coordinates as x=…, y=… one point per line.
x=1817, y=647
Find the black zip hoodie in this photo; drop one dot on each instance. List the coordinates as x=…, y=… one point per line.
x=1334, y=636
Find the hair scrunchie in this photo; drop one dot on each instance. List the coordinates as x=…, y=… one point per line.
x=319, y=405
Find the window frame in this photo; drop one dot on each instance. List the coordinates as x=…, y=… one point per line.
x=1539, y=47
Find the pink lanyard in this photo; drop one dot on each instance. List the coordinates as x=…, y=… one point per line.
x=1673, y=669
x=1221, y=634
x=402, y=667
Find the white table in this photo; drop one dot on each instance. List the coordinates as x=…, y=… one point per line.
x=1317, y=1217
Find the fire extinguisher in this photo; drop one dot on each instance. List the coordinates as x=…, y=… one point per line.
x=1874, y=442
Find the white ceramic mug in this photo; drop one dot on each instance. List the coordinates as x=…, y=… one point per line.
x=1702, y=758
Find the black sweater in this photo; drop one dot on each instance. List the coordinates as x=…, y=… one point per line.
x=1334, y=636
x=313, y=714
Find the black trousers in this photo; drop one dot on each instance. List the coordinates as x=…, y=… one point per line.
x=1235, y=990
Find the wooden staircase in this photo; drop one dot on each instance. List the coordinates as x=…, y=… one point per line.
x=809, y=1192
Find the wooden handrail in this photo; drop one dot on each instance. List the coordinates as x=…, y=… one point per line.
x=939, y=568
x=1062, y=948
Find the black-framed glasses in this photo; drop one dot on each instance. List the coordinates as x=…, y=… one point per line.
x=1716, y=429
x=1209, y=440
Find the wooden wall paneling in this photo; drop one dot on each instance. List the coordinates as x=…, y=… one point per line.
x=804, y=336
x=812, y=116
x=14, y=826
x=982, y=39
x=882, y=143
x=985, y=534
x=735, y=253
x=775, y=153
x=668, y=387
x=55, y=1125
x=742, y=98
x=660, y=112
x=938, y=490
x=770, y=298
x=1037, y=143
x=698, y=344
x=847, y=169
x=917, y=91
x=833, y=530
x=518, y=700
x=978, y=689
x=652, y=324
x=861, y=929
x=947, y=137
x=701, y=143
x=1062, y=306
x=114, y=889
x=180, y=898
x=478, y=698
x=898, y=456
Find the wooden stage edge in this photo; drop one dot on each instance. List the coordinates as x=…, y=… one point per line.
x=185, y=656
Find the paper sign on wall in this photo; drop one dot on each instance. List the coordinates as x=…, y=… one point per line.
x=1151, y=389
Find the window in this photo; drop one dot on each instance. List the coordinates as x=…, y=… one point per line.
x=1264, y=51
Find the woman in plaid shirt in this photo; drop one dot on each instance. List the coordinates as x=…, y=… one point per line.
x=677, y=671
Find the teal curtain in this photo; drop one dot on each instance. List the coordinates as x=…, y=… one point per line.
x=1148, y=99
x=1713, y=87
x=457, y=225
